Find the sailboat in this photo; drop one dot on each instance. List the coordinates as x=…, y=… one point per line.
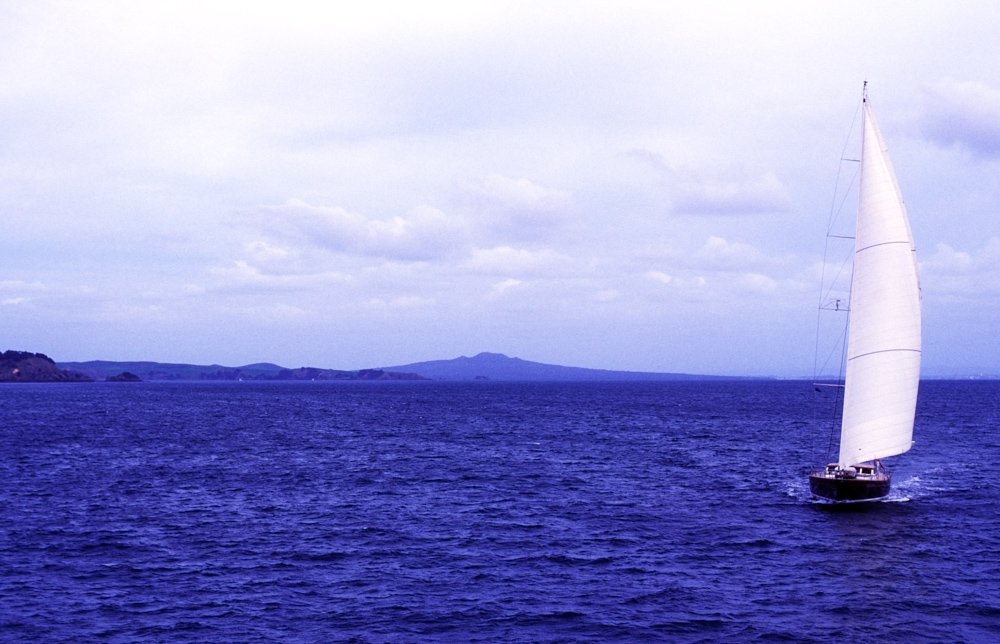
x=883, y=335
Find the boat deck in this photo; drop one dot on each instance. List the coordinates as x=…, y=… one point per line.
x=864, y=471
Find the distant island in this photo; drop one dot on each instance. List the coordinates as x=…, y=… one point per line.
x=497, y=366
x=124, y=376
x=23, y=366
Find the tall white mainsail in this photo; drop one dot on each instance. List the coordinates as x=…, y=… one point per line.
x=883, y=351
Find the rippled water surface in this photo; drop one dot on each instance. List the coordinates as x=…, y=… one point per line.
x=483, y=512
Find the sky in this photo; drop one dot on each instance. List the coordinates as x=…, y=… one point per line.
x=621, y=185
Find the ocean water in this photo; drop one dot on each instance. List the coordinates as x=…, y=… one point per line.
x=484, y=512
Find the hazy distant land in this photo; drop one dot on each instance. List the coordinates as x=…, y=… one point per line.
x=104, y=369
x=496, y=366
x=18, y=366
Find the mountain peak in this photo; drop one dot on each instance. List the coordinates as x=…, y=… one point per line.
x=497, y=366
x=487, y=356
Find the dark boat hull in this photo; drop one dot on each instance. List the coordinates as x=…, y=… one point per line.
x=848, y=489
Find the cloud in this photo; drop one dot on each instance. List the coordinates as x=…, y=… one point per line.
x=701, y=191
x=956, y=273
x=649, y=158
x=660, y=276
x=758, y=283
x=739, y=196
x=21, y=292
x=518, y=208
x=506, y=260
x=421, y=234
x=726, y=272
x=965, y=114
x=403, y=302
x=607, y=295
x=265, y=253
x=720, y=254
x=689, y=282
x=243, y=277
x=505, y=285
x=948, y=260
x=521, y=194
x=21, y=285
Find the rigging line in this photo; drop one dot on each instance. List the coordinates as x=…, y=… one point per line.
x=829, y=287
x=835, y=209
x=838, y=405
x=844, y=196
x=836, y=348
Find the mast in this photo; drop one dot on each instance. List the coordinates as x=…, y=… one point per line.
x=883, y=354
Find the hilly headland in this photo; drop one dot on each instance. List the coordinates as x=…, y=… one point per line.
x=25, y=366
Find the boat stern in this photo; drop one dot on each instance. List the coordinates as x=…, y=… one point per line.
x=859, y=482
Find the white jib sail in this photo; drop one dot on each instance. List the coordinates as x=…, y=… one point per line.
x=883, y=351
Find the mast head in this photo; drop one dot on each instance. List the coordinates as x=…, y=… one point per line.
x=864, y=92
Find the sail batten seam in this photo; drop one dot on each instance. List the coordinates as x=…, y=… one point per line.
x=888, y=243
x=897, y=350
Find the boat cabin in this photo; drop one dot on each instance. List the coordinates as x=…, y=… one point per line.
x=861, y=470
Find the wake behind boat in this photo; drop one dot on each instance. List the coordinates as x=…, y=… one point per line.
x=883, y=347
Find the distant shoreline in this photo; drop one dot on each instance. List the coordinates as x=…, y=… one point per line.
x=483, y=367
x=24, y=366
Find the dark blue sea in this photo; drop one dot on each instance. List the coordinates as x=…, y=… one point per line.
x=485, y=512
